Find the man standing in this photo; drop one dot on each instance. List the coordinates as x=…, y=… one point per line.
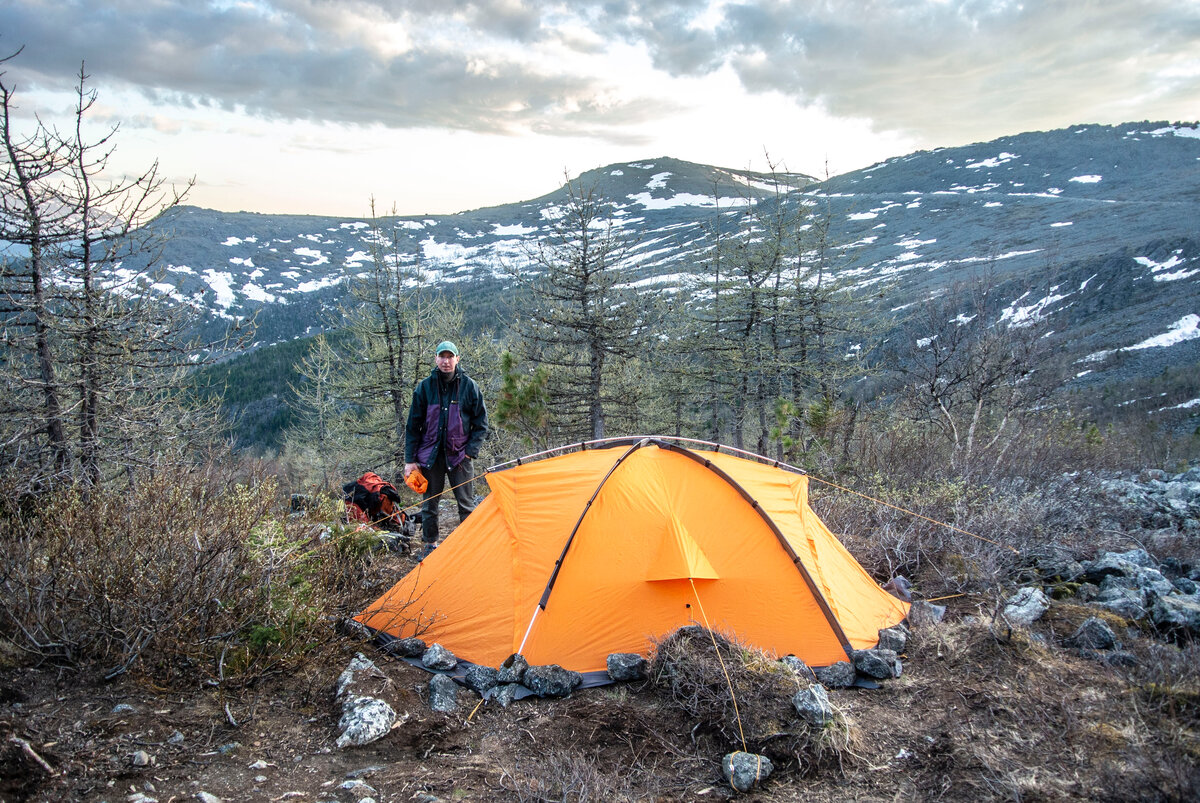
x=447, y=423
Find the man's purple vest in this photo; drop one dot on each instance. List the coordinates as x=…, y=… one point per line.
x=456, y=435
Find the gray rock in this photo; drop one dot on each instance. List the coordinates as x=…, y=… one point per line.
x=836, y=676
x=894, y=639
x=364, y=720
x=438, y=657
x=175, y=738
x=812, y=704
x=924, y=614
x=357, y=788
x=1026, y=606
x=626, y=666
x=1176, y=613
x=479, y=678
x=141, y=759
x=878, y=664
x=551, y=680
x=1186, y=585
x=123, y=708
x=504, y=694
x=359, y=667
x=411, y=647
x=744, y=771
x=1121, y=660
x=801, y=669
x=1127, y=602
x=513, y=669
x=1093, y=634
x=443, y=694
x=207, y=797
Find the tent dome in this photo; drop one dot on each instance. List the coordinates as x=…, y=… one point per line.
x=573, y=557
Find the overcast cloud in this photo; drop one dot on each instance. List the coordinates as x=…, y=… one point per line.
x=938, y=72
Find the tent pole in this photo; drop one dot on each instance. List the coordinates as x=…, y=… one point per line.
x=536, y=610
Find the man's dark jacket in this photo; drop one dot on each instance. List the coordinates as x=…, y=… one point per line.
x=445, y=417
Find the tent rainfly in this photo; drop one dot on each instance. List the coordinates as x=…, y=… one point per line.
x=574, y=557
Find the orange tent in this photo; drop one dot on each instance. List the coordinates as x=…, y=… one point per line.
x=574, y=557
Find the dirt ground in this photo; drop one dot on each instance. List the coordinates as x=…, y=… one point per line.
x=980, y=713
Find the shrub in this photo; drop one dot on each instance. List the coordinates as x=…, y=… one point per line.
x=193, y=574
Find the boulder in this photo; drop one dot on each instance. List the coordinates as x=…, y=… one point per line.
x=812, y=704
x=443, y=694
x=513, y=669
x=924, y=614
x=439, y=658
x=1026, y=606
x=839, y=675
x=1177, y=614
x=893, y=638
x=364, y=720
x=877, y=663
x=479, y=678
x=411, y=647
x=744, y=771
x=551, y=680
x=1127, y=602
x=624, y=666
x=504, y=694
x=1093, y=634
x=801, y=669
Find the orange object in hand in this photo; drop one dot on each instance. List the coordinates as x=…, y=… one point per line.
x=416, y=480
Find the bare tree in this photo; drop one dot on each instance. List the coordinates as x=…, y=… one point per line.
x=390, y=323
x=583, y=313
x=971, y=374
x=93, y=342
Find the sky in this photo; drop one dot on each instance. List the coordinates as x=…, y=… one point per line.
x=440, y=106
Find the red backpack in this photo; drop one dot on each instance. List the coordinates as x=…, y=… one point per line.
x=373, y=500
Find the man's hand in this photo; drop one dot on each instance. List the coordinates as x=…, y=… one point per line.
x=409, y=468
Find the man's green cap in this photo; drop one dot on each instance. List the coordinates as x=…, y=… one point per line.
x=446, y=345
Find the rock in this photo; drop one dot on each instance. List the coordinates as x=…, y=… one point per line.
x=358, y=788
x=893, y=638
x=504, y=694
x=551, y=680
x=1176, y=614
x=1185, y=585
x=513, y=669
x=801, y=669
x=443, y=694
x=359, y=667
x=812, y=704
x=836, y=676
x=744, y=771
x=626, y=666
x=206, y=797
x=1093, y=634
x=1116, y=563
x=1026, y=606
x=479, y=678
x=879, y=664
x=1121, y=660
x=123, y=708
x=175, y=738
x=899, y=587
x=438, y=657
x=924, y=614
x=411, y=647
x=364, y=720
x=1127, y=602
x=141, y=759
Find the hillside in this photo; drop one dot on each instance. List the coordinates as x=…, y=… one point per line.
x=1091, y=231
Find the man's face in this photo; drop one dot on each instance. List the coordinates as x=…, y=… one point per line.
x=447, y=361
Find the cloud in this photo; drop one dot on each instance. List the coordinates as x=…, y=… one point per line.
x=939, y=70
x=943, y=69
